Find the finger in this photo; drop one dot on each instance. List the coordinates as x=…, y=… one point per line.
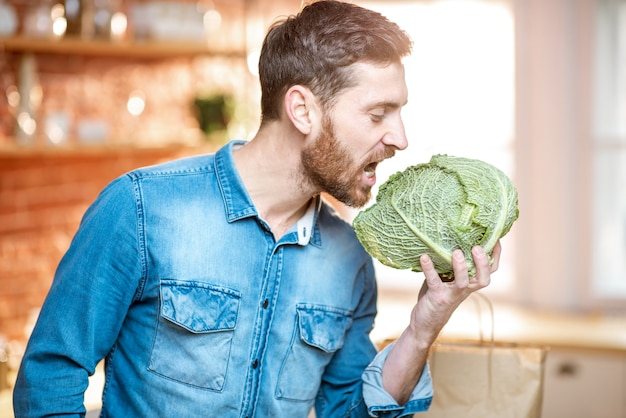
x=431, y=275
x=459, y=266
x=495, y=256
x=483, y=269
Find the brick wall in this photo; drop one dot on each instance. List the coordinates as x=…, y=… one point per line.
x=42, y=199
x=85, y=89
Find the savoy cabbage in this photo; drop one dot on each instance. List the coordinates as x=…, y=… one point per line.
x=434, y=208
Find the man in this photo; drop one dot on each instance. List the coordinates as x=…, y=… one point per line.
x=222, y=285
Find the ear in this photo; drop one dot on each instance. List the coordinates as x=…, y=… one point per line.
x=301, y=108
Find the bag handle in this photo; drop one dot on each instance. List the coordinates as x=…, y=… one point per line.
x=477, y=297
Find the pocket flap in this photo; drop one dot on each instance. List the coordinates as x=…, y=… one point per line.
x=323, y=327
x=199, y=307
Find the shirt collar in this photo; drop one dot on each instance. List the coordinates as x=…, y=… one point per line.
x=238, y=203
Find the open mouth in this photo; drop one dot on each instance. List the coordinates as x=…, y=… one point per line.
x=370, y=170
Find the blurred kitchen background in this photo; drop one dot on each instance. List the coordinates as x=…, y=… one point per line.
x=90, y=89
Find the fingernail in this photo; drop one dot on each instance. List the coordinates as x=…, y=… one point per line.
x=478, y=251
x=458, y=254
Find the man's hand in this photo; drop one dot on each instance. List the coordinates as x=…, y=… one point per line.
x=438, y=300
x=436, y=303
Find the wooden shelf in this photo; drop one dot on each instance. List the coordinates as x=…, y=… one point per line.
x=124, y=49
x=10, y=151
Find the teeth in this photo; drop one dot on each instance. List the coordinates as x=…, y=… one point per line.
x=370, y=170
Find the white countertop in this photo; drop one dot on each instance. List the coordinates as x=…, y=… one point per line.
x=511, y=324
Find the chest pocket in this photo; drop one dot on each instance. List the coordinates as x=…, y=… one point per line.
x=194, y=332
x=319, y=332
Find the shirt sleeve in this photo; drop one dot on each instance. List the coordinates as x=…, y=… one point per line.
x=352, y=383
x=382, y=404
x=95, y=283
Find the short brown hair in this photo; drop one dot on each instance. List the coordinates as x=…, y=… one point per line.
x=315, y=47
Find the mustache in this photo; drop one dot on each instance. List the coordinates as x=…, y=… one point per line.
x=387, y=153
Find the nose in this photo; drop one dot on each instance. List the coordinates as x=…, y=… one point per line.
x=396, y=136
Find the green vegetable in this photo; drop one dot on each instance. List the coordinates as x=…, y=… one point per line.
x=435, y=208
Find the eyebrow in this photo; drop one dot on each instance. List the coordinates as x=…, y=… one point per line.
x=389, y=104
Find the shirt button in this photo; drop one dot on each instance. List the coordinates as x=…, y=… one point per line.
x=266, y=303
x=255, y=364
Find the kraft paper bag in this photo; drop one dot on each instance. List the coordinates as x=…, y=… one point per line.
x=486, y=380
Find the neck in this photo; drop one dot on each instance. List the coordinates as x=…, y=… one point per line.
x=270, y=168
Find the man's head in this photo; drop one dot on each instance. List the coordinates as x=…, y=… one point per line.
x=316, y=47
x=364, y=128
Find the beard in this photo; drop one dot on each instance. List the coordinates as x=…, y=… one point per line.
x=330, y=168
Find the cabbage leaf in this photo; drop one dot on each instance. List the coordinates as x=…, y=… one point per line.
x=435, y=208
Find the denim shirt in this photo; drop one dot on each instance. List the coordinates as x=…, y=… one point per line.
x=177, y=282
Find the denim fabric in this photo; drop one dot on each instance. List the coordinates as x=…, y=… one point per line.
x=180, y=286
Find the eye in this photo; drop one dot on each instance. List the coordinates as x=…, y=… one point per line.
x=377, y=116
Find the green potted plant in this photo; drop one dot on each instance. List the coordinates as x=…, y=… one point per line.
x=214, y=112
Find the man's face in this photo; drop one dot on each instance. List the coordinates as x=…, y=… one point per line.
x=364, y=128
